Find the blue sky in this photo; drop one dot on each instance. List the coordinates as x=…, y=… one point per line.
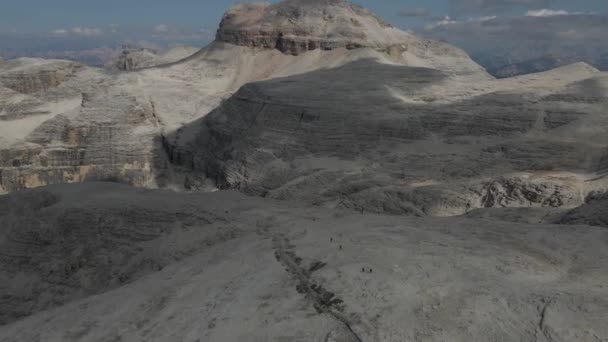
x=46, y=15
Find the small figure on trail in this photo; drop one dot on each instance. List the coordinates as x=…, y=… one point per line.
x=362, y=269
x=370, y=270
x=340, y=247
x=331, y=239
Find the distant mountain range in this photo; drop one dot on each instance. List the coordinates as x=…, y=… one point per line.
x=508, y=46
x=500, y=67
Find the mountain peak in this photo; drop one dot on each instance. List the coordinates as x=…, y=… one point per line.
x=296, y=26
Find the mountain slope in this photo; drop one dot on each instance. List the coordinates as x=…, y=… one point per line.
x=390, y=138
x=157, y=102
x=226, y=267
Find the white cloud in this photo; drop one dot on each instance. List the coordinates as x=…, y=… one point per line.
x=59, y=32
x=78, y=31
x=443, y=22
x=86, y=31
x=447, y=21
x=545, y=13
x=466, y=8
x=161, y=28
x=482, y=19
x=113, y=28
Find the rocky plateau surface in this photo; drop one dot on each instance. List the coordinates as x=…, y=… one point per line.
x=103, y=261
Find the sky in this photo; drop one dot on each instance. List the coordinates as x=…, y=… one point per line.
x=39, y=16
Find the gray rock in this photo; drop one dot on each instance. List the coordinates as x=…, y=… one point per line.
x=39, y=78
x=97, y=144
x=133, y=58
x=298, y=26
x=102, y=261
x=69, y=252
x=340, y=138
x=594, y=212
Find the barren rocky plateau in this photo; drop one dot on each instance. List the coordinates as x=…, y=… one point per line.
x=314, y=174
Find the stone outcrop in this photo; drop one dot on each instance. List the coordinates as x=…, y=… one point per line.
x=39, y=78
x=96, y=144
x=521, y=192
x=297, y=26
x=133, y=58
x=14, y=110
x=594, y=212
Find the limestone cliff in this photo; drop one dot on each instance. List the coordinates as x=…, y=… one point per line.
x=133, y=58
x=28, y=79
x=94, y=143
x=297, y=26
x=401, y=140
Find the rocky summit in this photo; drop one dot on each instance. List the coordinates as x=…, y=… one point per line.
x=298, y=26
x=313, y=174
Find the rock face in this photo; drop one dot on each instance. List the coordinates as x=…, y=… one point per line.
x=594, y=212
x=28, y=79
x=62, y=126
x=91, y=145
x=133, y=58
x=99, y=261
x=299, y=26
x=349, y=138
x=296, y=26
